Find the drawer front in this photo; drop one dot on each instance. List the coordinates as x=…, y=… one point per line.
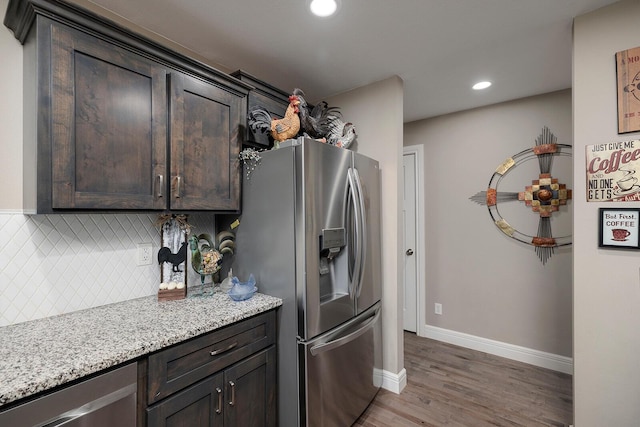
x=181, y=365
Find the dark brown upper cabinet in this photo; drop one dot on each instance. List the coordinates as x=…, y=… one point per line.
x=114, y=121
x=205, y=143
x=109, y=125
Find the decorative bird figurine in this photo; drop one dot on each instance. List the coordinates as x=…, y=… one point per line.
x=205, y=259
x=341, y=134
x=281, y=129
x=165, y=255
x=206, y=255
x=315, y=122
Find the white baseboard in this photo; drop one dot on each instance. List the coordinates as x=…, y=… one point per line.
x=522, y=354
x=394, y=382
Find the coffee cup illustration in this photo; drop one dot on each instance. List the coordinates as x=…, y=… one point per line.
x=627, y=183
x=620, y=234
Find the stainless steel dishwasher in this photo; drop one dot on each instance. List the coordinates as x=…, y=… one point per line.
x=107, y=400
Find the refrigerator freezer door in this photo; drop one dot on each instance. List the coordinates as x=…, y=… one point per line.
x=342, y=371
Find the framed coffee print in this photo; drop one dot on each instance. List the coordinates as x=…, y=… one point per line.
x=619, y=228
x=628, y=83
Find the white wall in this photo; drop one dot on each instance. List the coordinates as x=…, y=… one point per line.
x=11, y=113
x=376, y=112
x=491, y=286
x=606, y=283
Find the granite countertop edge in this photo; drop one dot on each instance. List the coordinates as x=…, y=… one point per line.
x=39, y=355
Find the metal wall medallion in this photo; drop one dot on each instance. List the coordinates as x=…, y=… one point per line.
x=544, y=196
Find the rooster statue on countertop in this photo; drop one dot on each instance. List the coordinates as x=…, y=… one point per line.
x=281, y=129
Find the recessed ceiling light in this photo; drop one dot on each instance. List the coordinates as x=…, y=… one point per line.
x=323, y=8
x=481, y=85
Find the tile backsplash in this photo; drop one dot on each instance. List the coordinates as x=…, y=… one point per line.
x=54, y=264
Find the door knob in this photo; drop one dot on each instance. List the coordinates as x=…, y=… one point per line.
x=409, y=252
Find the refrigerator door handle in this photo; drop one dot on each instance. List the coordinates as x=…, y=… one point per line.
x=362, y=244
x=357, y=233
x=321, y=348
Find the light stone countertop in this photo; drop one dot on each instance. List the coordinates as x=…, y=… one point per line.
x=41, y=354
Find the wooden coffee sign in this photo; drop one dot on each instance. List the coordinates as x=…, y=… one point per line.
x=619, y=228
x=613, y=172
x=628, y=83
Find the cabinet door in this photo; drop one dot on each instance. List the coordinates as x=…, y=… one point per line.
x=205, y=143
x=251, y=391
x=200, y=405
x=109, y=125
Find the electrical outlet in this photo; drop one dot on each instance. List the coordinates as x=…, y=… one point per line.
x=438, y=308
x=144, y=253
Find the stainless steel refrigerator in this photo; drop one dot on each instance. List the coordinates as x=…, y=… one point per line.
x=310, y=234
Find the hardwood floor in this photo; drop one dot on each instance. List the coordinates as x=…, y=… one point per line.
x=449, y=385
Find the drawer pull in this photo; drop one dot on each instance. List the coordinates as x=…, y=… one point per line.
x=219, y=408
x=223, y=350
x=232, y=385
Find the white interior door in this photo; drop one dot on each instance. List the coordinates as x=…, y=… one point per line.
x=410, y=257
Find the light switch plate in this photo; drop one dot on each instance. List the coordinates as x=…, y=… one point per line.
x=438, y=308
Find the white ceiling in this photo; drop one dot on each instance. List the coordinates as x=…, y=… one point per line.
x=438, y=47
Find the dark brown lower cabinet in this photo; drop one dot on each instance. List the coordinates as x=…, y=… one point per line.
x=250, y=391
x=198, y=405
x=224, y=378
x=242, y=395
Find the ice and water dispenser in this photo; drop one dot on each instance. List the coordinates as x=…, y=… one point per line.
x=332, y=266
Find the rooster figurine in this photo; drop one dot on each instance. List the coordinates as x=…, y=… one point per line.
x=316, y=122
x=341, y=134
x=281, y=129
x=325, y=123
x=205, y=259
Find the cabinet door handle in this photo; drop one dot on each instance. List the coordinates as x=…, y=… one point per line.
x=178, y=186
x=223, y=350
x=232, y=385
x=160, y=191
x=219, y=408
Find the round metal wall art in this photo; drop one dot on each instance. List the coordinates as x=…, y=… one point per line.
x=544, y=196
